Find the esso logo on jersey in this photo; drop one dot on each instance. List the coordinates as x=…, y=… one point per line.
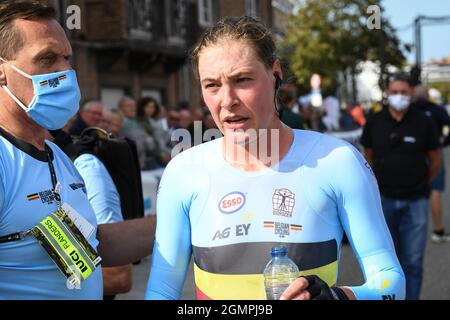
x=232, y=202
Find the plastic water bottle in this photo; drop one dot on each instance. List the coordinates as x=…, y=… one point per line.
x=279, y=273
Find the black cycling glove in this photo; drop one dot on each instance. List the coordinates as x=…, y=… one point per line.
x=319, y=290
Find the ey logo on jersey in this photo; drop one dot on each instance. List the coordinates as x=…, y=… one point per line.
x=232, y=202
x=283, y=201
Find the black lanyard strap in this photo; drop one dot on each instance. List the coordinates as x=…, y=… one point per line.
x=53, y=177
x=14, y=236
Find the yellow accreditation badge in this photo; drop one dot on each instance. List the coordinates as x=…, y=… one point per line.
x=67, y=246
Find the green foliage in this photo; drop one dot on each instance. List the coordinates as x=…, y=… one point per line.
x=443, y=88
x=330, y=36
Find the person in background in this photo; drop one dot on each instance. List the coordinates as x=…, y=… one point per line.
x=185, y=118
x=357, y=113
x=115, y=120
x=162, y=118
x=197, y=127
x=291, y=119
x=148, y=111
x=131, y=128
x=90, y=115
x=104, y=123
x=104, y=199
x=441, y=118
x=173, y=123
x=332, y=113
x=402, y=146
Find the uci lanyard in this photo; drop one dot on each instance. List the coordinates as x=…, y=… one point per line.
x=56, y=187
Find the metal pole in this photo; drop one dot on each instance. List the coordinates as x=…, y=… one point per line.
x=418, y=41
x=382, y=82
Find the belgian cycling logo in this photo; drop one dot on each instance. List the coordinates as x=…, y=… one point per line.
x=232, y=202
x=53, y=83
x=282, y=229
x=46, y=196
x=283, y=201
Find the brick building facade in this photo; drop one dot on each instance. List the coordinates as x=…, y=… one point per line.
x=140, y=47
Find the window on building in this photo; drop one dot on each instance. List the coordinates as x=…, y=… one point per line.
x=176, y=20
x=205, y=13
x=252, y=8
x=110, y=97
x=140, y=19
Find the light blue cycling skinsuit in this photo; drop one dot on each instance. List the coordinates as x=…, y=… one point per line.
x=228, y=219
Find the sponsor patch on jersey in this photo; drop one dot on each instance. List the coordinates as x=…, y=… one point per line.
x=269, y=224
x=46, y=196
x=282, y=229
x=33, y=196
x=232, y=202
x=237, y=231
x=283, y=202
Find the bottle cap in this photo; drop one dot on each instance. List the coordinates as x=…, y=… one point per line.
x=279, y=249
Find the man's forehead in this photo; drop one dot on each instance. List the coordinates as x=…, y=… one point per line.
x=398, y=84
x=43, y=35
x=96, y=106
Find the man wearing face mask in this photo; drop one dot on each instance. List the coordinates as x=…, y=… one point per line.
x=402, y=146
x=50, y=244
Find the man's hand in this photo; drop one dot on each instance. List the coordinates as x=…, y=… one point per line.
x=314, y=288
x=125, y=242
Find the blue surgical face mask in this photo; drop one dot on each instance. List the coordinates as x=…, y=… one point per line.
x=56, y=97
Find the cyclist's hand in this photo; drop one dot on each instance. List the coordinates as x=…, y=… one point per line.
x=312, y=288
x=297, y=290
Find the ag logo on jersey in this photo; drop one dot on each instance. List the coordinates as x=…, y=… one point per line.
x=232, y=202
x=283, y=201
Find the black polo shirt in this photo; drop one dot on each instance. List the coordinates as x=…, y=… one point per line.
x=400, y=152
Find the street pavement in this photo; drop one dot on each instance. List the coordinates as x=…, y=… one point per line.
x=436, y=280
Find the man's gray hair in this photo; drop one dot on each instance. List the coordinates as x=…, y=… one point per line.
x=88, y=105
x=123, y=99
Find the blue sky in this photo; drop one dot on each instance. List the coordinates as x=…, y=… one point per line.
x=435, y=39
